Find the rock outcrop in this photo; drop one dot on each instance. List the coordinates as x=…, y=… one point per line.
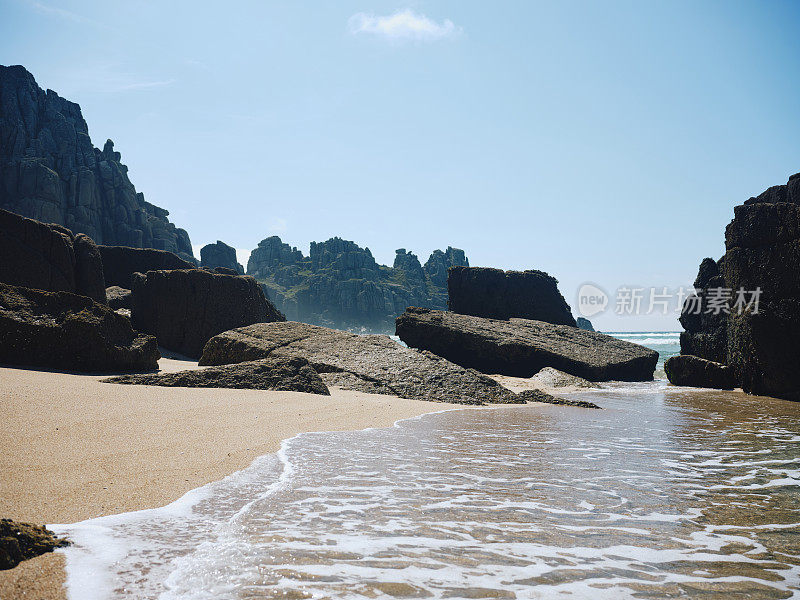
x=59, y=330
x=498, y=294
x=281, y=373
x=117, y=297
x=185, y=308
x=706, y=332
x=693, y=371
x=553, y=378
x=763, y=252
x=522, y=347
x=409, y=264
x=369, y=363
x=49, y=257
x=584, y=323
x=220, y=254
x=542, y=396
x=121, y=262
x=762, y=255
x=21, y=541
x=341, y=285
x=439, y=263
x=50, y=171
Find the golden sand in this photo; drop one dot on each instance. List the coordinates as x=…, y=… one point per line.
x=75, y=448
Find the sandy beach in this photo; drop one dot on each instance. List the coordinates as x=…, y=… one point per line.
x=76, y=448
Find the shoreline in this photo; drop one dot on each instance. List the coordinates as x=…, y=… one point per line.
x=117, y=449
x=190, y=499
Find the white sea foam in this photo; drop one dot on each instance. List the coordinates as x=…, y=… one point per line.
x=656, y=493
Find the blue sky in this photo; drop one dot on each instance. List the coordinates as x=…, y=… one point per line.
x=598, y=141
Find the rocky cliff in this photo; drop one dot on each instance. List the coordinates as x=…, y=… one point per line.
x=724, y=324
x=50, y=171
x=341, y=285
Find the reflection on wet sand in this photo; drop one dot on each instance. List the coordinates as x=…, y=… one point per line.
x=664, y=493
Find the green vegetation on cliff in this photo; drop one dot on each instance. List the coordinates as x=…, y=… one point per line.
x=341, y=285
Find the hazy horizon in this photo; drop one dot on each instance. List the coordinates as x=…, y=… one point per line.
x=600, y=143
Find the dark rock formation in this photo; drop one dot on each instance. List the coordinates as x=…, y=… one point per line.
x=540, y=396
x=271, y=256
x=436, y=268
x=220, y=255
x=497, y=294
x=522, y=347
x=59, y=330
x=21, y=541
x=762, y=253
x=341, y=285
x=185, y=308
x=440, y=262
x=409, y=264
x=117, y=297
x=50, y=171
x=49, y=257
x=693, y=371
x=369, y=363
x=706, y=333
x=282, y=373
x=121, y=262
x=585, y=324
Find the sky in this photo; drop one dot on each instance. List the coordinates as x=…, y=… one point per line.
x=602, y=142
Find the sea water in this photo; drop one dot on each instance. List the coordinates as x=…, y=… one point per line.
x=666, y=343
x=666, y=492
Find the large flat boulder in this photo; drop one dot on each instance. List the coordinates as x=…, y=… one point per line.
x=59, y=330
x=121, y=262
x=370, y=363
x=522, y=347
x=693, y=371
x=186, y=308
x=498, y=294
x=49, y=257
x=281, y=373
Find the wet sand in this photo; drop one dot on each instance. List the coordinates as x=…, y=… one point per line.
x=76, y=448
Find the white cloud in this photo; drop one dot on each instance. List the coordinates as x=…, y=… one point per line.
x=105, y=78
x=60, y=13
x=142, y=85
x=402, y=25
x=53, y=11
